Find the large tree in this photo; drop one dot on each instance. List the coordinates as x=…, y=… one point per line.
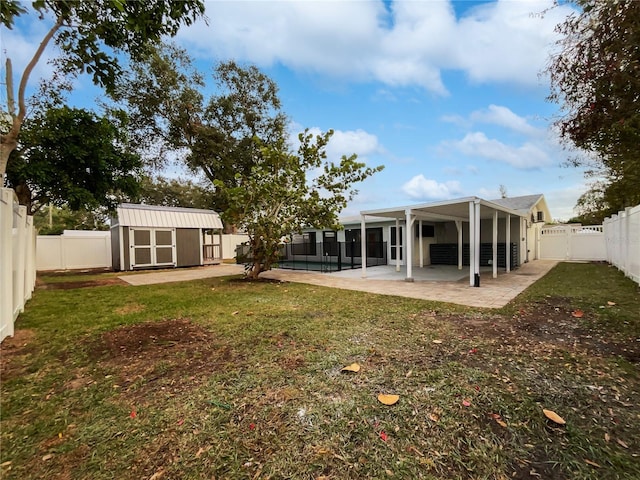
x=595, y=76
x=91, y=36
x=174, y=193
x=72, y=157
x=284, y=192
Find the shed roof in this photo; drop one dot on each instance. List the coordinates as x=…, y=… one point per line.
x=134, y=215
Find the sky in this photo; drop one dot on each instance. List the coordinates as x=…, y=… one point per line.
x=450, y=96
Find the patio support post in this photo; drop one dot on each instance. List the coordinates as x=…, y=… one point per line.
x=363, y=246
x=420, y=243
x=476, y=241
x=508, y=244
x=459, y=227
x=409, y=244
x=397, y=246
x=472, y=248
x=495, y=244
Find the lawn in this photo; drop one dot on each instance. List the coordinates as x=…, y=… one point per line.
x=221, y=378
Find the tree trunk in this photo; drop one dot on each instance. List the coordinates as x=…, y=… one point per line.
x=23, y=192
x=8, y=145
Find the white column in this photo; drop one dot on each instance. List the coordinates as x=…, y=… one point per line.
x=459, y=228
x=420, y=243
x=363, y=246
x=477, y=238
x=495, y=244
x=409, y=244
x=508, y=242
x=472, y=237
x=398, y=242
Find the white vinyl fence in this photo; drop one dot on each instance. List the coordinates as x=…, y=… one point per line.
x=622, y=233
x=573, y=243
x=17, y=260
x=74, y=249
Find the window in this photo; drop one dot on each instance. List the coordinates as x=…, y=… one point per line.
x=304, y=244
x=428, y=231
x=396, y=243
x=375, y=246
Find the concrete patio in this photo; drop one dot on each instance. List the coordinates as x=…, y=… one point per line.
x=438, y=282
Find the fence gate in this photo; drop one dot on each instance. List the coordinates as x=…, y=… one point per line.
x=572, y=243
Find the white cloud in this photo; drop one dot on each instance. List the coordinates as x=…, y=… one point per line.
x=346, y=142
x=525, y=156
x=504, y=117
x=421, y=188
x=408, y=44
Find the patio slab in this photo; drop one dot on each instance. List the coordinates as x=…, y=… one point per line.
x=442, y=284
x=492, y=293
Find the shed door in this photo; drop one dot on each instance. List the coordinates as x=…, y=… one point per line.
x=152, y=247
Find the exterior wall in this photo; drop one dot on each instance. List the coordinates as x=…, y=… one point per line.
x=188, y=247
x=127, y=250
x=229, y=244
x=115, y=248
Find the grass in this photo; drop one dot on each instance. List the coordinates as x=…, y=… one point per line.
x=221, y=378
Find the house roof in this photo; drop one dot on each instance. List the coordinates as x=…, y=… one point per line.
x=525, y=203
x=135, y=215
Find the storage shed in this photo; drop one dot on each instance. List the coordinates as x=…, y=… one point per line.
x=146, y=236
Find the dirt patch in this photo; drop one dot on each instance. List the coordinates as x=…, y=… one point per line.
x=83, y=284
x=129, y=308
x=13, y=351
x=548, y=324
x=171, y=355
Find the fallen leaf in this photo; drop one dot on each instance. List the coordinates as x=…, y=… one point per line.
x=553, y=416
x=388, y=399
x=437, y=341
x=473, y=350
x=593, y=464
x=157, y=475
x=354, y=367
x=5, y=464
x=133, y=414
x=433, y=417
x=607, y=437
x=611, y=304
x=252, y=426
x=621, y=443
x=577, y=313
x=383, y=436
x=501, y=423
x=181, y=421
x=236, y=312
x=48, y=456
x=466, y=403
x=408, y=374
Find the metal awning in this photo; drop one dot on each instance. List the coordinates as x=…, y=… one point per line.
x=469, y=209
x=135, y=215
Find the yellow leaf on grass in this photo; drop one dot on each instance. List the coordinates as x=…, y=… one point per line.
x=611, y=304
x=437, y=341
x=354, y=367
x=501, y=423
x=388, y=399
x=553, y=416
x=589, y=462
x=621, y=443
x=577, y=313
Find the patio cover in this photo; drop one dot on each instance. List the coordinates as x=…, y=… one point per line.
x=469, y=209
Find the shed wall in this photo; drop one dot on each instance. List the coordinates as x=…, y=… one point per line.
x=187, y=247
x=115, y=248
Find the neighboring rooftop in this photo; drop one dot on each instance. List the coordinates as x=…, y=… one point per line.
x=522, y=204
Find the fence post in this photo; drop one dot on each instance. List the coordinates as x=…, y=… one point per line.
x=19, y=262
x=6, y=262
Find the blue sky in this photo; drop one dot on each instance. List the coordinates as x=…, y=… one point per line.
x=448, y=96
